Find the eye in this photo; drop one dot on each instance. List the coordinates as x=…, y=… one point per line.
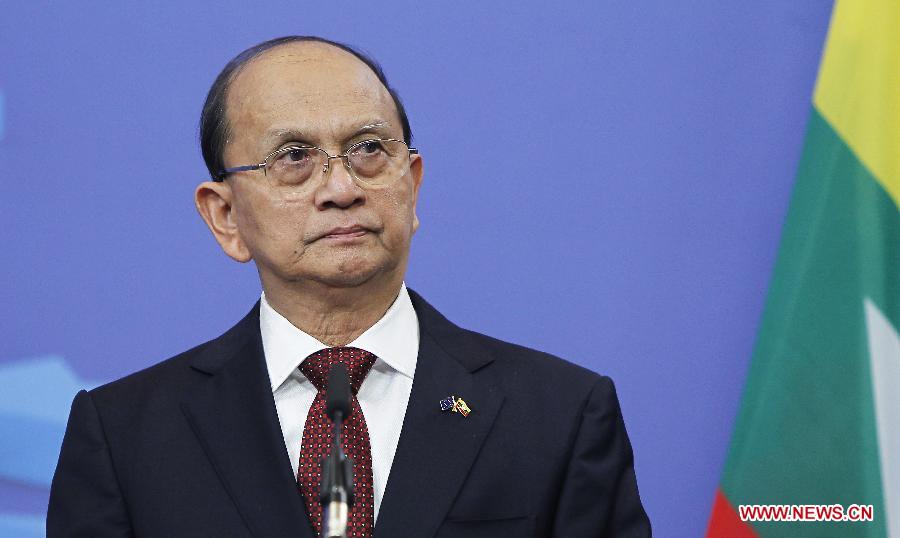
x=369, y=147
x=292, y=165
x=295, y=155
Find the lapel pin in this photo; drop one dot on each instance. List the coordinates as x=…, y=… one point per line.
x=457, y=405
x=447, y=403
x=461, y=407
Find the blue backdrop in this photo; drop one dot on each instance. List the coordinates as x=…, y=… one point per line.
x=604, y=180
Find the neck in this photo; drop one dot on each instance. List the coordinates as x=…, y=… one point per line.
x=333, y=316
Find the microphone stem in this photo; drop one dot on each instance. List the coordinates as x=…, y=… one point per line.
x=338, y=427
x=336, y=507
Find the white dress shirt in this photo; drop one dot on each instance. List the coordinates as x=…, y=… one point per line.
x=394, y=340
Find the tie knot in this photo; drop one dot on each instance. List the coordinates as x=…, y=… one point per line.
x=357, y=361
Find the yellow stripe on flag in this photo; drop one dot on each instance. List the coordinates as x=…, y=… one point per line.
x=858, y=90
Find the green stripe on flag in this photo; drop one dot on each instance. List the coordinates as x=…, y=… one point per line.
x=806, y=430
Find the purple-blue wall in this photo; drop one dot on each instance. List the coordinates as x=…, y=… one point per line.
x=604, y=180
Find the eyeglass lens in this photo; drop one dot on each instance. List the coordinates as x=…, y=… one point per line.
x=374, y=162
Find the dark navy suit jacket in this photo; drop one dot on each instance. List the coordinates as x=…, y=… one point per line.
x=193, y=447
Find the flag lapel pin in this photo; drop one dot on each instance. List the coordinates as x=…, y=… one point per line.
x=455, y=405
x=447, y=403
x=462, y=407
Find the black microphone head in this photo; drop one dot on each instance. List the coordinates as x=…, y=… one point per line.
x=337, y=392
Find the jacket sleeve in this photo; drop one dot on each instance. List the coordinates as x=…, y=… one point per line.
x=85, y=497
x=599, y=496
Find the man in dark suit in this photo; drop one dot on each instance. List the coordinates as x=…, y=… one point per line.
x=452, y=433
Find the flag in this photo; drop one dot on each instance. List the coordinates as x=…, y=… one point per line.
x=819, y=422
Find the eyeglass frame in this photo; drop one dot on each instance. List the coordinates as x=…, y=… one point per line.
x=220, y=177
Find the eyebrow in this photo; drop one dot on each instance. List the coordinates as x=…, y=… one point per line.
x=373, y=126
x=379, y=127
x=280, y=136
x=277, y=137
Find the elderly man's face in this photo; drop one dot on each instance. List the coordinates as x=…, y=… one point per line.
x=339, y=233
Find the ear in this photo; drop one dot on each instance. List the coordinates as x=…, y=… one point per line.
x=215, y=204
x=416, y=170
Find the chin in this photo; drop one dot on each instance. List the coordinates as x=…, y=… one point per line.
x=352, y=272
x=345, y=280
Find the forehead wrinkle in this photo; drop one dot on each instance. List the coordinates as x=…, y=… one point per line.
x=335, y=63
x=280, y=100
x=303, y=51
x=320, y=57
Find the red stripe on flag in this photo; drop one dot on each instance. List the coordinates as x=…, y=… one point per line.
x=724, y=521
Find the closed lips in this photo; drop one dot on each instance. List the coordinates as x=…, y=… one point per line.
x=346, y=231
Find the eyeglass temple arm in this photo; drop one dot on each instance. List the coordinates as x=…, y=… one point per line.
x=221, y=175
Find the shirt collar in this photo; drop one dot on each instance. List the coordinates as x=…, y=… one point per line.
x=394, y=339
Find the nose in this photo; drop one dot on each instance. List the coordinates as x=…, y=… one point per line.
x=338, y=188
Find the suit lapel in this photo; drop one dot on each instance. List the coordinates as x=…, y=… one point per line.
x=233, y=415
x=437, y=448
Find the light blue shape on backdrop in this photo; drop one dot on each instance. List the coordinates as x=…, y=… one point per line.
x=34, y=407
x=21, y=526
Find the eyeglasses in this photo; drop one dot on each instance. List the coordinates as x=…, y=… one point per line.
x=371, y=162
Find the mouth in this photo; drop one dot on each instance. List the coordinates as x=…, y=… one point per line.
x=345, y=233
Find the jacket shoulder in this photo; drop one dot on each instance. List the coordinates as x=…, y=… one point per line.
x=533, y=362
x=178, y=373
x=514, y=364
x=157, y=374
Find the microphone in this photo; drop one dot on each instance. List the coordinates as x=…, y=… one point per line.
x=337, y=393
x=336, y=494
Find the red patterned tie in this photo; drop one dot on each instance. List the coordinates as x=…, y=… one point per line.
x=318, y=436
